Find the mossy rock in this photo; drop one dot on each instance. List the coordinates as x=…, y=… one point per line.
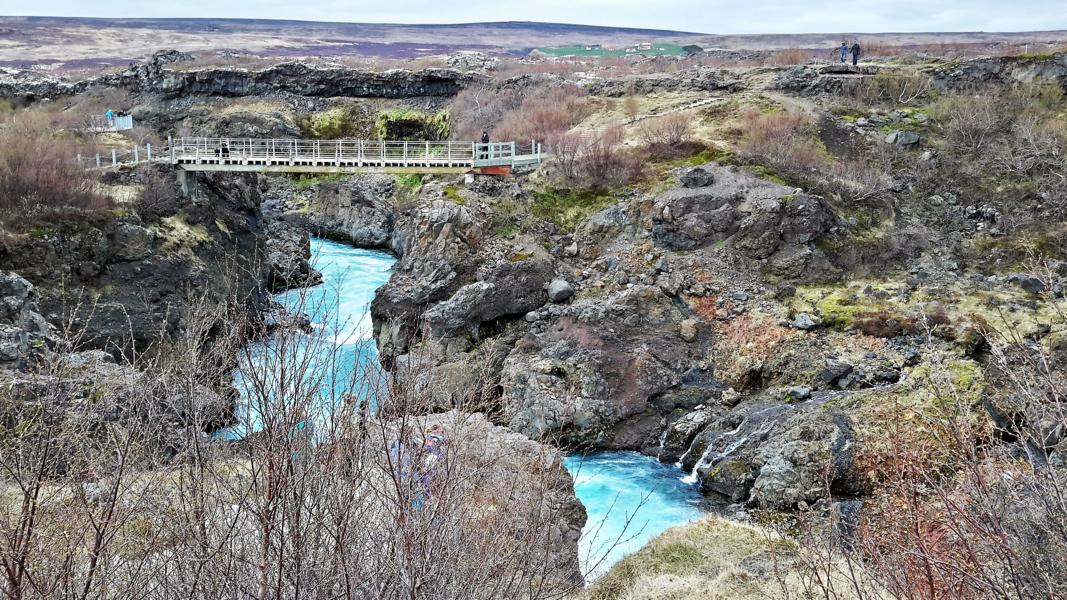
x=411, y=125
x=354, y=121
x=569, y=208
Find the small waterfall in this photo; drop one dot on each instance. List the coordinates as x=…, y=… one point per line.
x=704, y=461
x=691, y=478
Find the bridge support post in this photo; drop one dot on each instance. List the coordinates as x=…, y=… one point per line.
x=187, y=180
x=114, y=157
x=136, y=154
x=148, y=150
x=97, y=160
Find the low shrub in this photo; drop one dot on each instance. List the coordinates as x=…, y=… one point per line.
x=159, y=197
x=545, y=113
x=40, y=178
x=783, y=140
x=594, y=160
x=669, y=136
x=889, y=88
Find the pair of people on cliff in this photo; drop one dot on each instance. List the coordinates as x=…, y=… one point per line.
x=854, y=50
x=415, y=468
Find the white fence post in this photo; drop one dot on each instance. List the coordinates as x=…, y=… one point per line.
x=148, y=150
x=114, y=157
x=136, y=154
x=97, y=160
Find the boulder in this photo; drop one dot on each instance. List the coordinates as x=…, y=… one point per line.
x=523, y=479
x=1030, y=283
x=560, y=290
x=902, y=138
x=810, y=456
x=806, y=322
x=835, y=370
x=132, y=242
x=24, y=333
x=509, y=289
x=689, y=329
x=697, y=178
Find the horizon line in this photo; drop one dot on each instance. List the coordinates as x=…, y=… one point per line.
x=552, y=23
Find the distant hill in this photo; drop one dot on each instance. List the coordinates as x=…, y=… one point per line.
x=67, y=40
x=47, y=39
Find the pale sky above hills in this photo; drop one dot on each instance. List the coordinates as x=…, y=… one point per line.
x=705, y=16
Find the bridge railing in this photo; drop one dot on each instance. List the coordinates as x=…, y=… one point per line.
x=325, y=151
x=347, y=152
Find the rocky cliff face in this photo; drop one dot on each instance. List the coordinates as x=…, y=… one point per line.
x=598, y=339
x=529, y=482
x=123, y=282
x=23, y=331
x=156, y=76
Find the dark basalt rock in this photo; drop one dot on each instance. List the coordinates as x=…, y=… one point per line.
x=155, y=77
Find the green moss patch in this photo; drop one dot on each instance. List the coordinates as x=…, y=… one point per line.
x=569, y=208
x=953, y=312
x=347, y=121
x=178, y=234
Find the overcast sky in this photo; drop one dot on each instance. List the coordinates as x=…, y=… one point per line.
x=704, y=16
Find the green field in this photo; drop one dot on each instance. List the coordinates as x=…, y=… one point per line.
x=658, y=49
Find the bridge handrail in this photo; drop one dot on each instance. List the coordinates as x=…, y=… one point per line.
x=194, y=148
x=324, y=153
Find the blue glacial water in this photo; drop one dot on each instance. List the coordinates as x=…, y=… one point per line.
x=341, y=351
x=630, y=499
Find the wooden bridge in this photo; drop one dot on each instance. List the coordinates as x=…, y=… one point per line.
x=350, y=156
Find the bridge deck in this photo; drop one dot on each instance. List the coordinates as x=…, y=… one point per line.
x=348, y=156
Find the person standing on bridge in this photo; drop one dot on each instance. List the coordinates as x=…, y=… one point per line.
x=844, y=52
x=856, y=53
x=485, y=145
x=109, y=116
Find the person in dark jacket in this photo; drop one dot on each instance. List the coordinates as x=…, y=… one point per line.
x=485, y=147
x=856, y=53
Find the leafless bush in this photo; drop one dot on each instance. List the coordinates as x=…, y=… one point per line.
x=159, y=196
x=477, y=109
x=631, y=106
x=669, y=130
x=790, y=56
x=889, y=88
x=783, y=140
x=39, y=175
x=970, y=121
x=544, y=114
x=593, y=160
x=320, y=498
